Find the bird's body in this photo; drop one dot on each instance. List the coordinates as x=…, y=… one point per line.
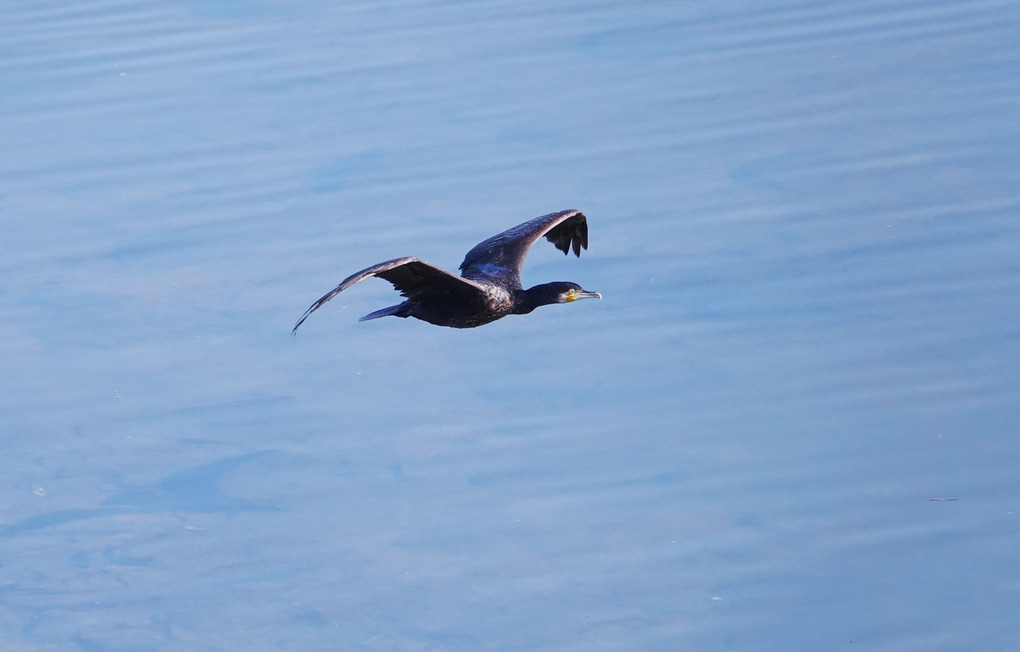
x=489, y=286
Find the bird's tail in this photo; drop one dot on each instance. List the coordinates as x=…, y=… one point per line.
x=397, y=310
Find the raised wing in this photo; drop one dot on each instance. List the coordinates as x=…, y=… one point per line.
x=413, y=277
x=500, y=257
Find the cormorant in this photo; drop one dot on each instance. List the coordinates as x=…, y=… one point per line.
x=490, y=284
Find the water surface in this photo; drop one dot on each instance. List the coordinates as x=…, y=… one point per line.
x=790, y=424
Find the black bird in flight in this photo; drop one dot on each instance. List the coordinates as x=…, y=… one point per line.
x=489, y=286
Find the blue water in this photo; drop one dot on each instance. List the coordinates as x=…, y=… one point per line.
x=791, y=424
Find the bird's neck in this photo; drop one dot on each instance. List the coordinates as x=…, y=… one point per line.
x=524, y=302
x=540, y=295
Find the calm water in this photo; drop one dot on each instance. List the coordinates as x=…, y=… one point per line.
x=790, y=425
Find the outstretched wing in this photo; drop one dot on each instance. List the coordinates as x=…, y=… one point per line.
x=413, y=277
x=501, y=256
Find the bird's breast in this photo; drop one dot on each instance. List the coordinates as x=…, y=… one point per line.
x=499, y=299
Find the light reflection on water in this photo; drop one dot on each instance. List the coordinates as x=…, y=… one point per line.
x=802, y=222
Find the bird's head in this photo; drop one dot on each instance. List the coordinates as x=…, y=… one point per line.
x=557, y=292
